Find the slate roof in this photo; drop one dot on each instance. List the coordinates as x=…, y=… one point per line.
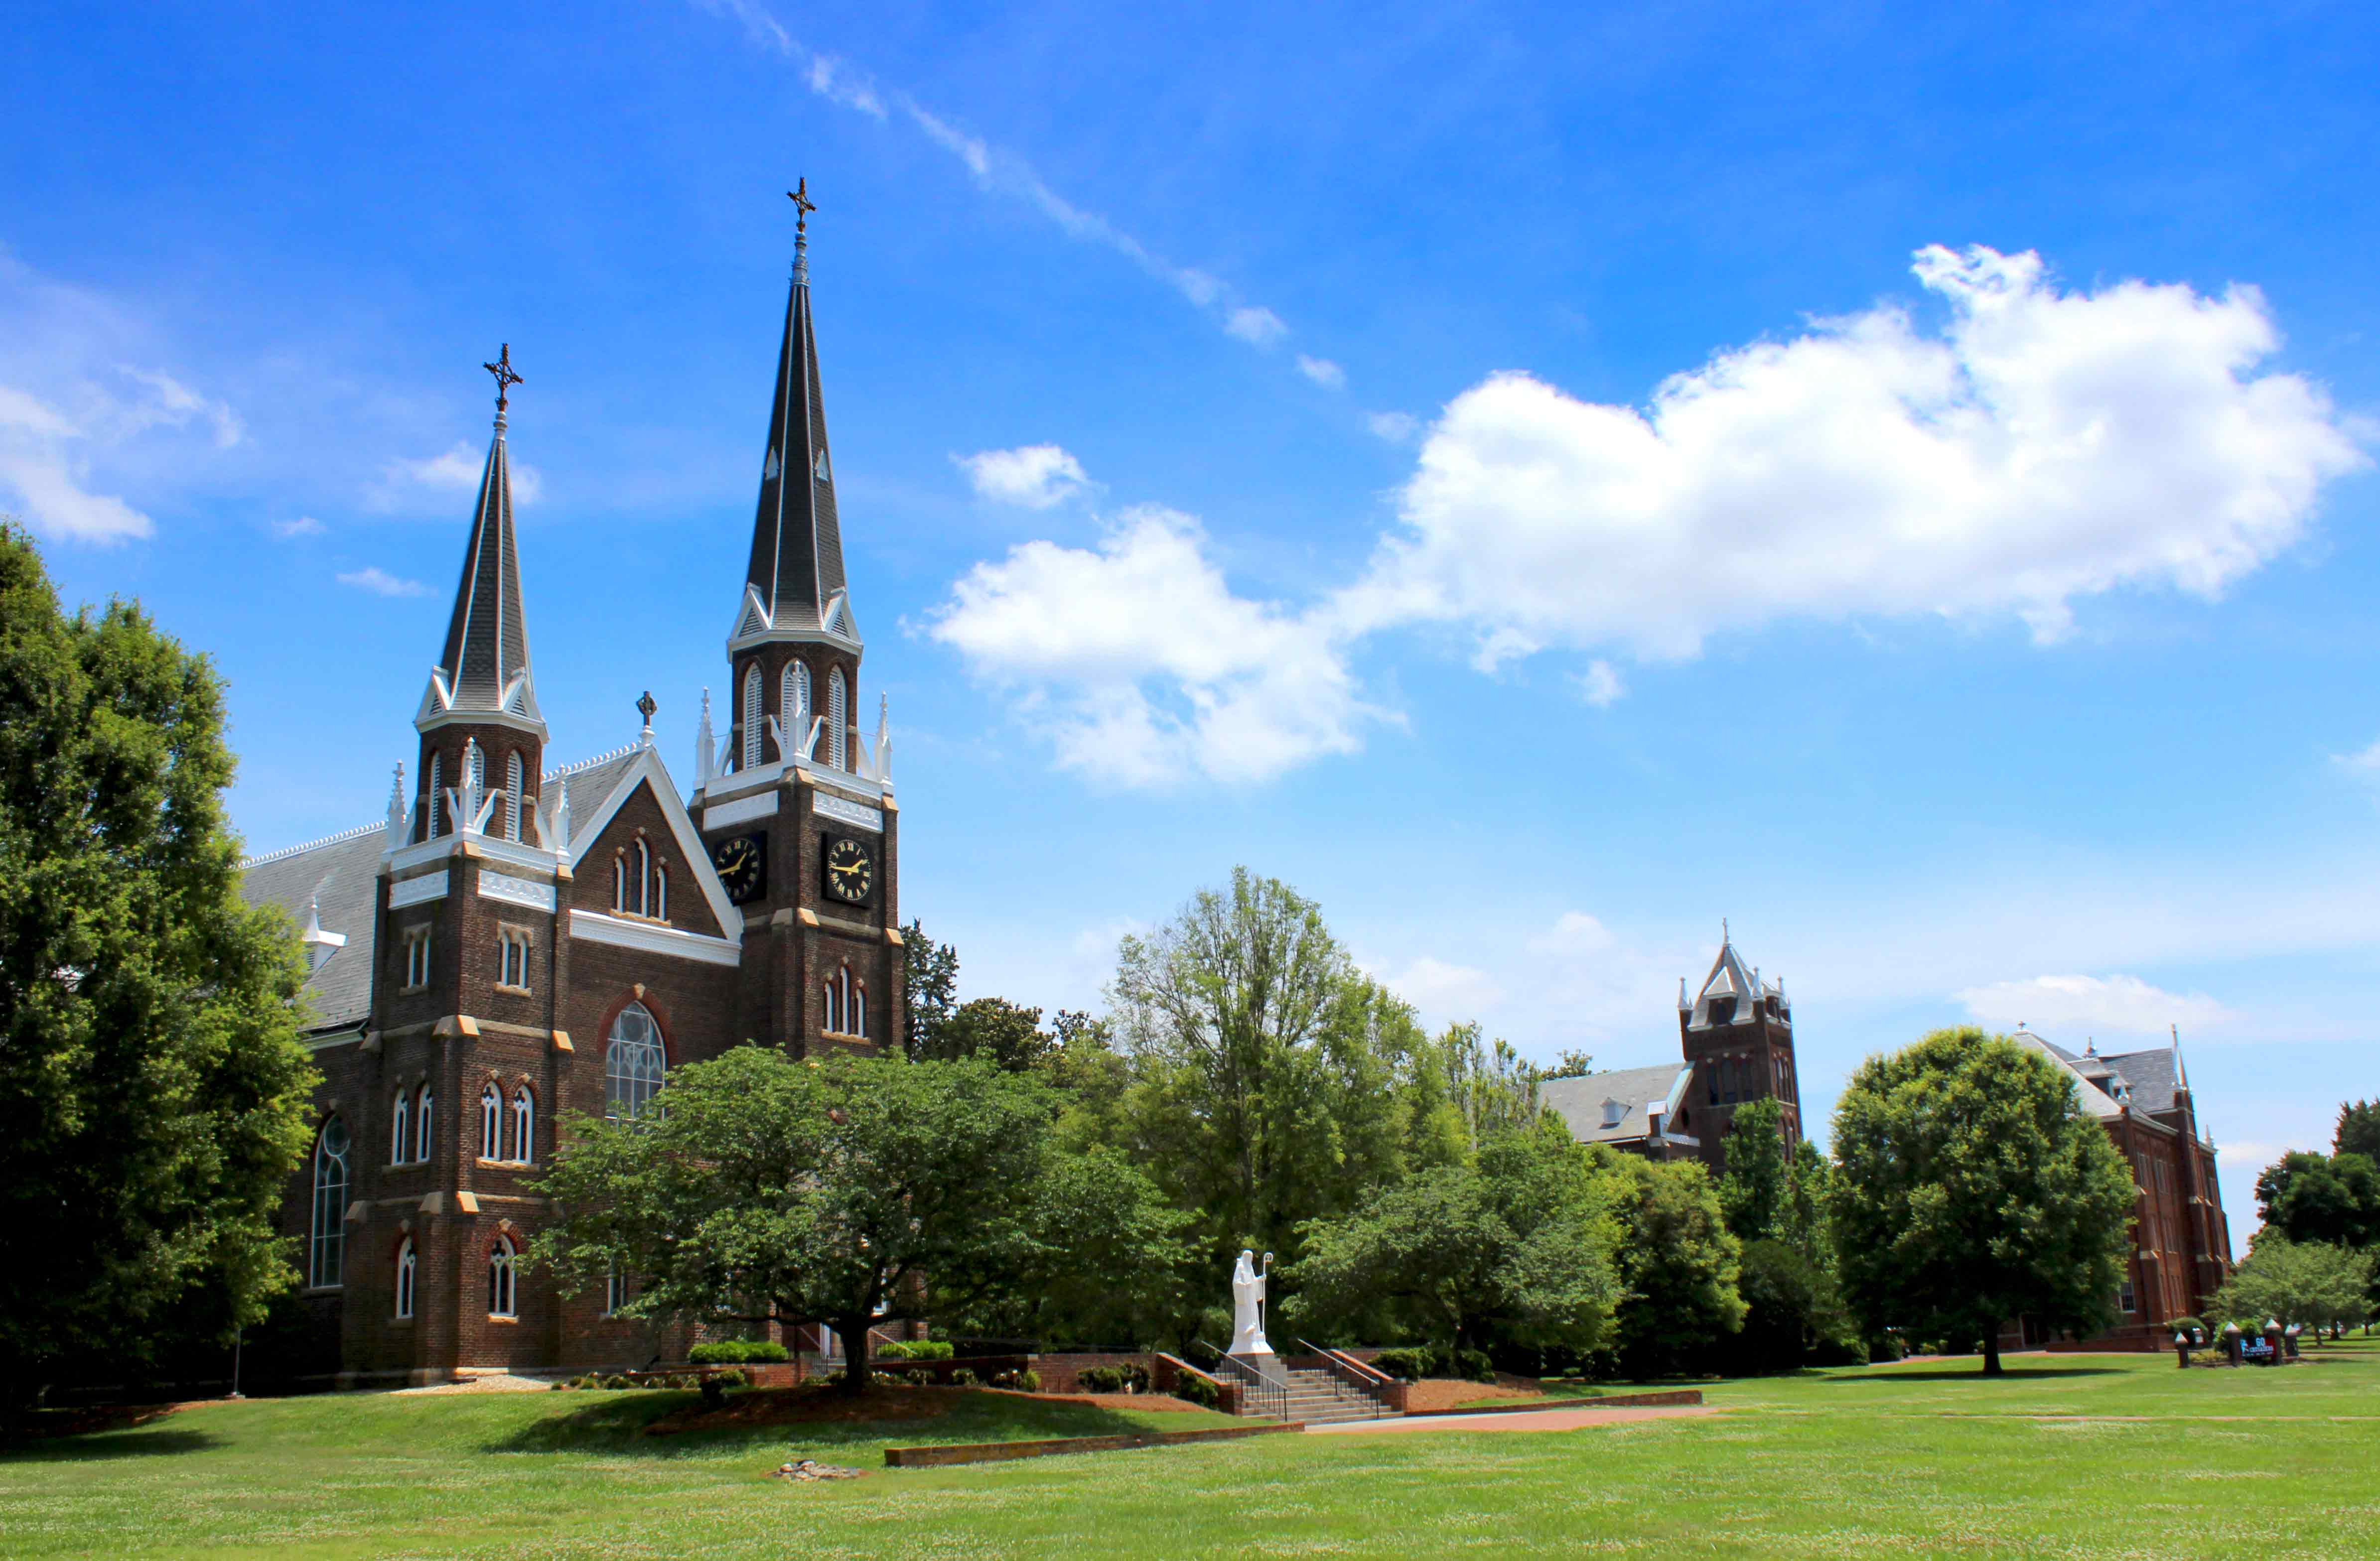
x=1730, y=978
x=796, y=564
x=487, y=636
x=2152, y=1077
x=340, y=875
x=1579, y=1101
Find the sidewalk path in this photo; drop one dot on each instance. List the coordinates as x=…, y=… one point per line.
x=1529, y=1419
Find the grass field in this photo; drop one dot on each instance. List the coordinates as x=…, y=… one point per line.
x=2067, y=1456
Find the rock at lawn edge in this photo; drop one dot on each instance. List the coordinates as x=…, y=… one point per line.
x=808, y=1468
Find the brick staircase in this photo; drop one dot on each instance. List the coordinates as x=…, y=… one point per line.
x=1318, y=1397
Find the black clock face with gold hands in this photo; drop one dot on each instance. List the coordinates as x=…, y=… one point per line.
x=849, y=871
x=742, y=864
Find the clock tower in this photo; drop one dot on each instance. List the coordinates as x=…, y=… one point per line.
x=794, y=804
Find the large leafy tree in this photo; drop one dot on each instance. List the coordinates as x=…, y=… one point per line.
x=1970, y=1187
x=152, y=1091
x=930, y=992
x=1680, y=1265
x=2325, y=1198
x=1793, y=1304
x=772, y=1191
x=2312, y=1283
x=2358, y=1129
x=1520, y=1246
x=1263, y=1093
x=996, y=1030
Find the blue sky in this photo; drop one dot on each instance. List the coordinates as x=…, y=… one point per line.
x=1538, y=480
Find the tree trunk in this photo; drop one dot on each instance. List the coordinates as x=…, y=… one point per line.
x=1992, y=1352
x=855, y=1354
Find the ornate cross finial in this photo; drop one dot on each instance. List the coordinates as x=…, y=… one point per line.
x=503, y=370
x=803, y=205
x=645, y=708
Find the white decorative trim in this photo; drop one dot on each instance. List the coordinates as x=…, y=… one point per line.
x=416, y=891
x=288, y=851
x=858, y=814
x=517, y=891
x=597, y=927
x=648, y=768
x=742, y=810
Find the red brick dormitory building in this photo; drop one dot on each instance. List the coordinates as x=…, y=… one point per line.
x=1736, y=1038
x=515, y=940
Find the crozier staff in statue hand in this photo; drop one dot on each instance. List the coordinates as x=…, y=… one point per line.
x=1248, y=1303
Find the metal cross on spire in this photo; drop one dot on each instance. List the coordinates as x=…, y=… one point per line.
x=803, y=206
x=503, y=370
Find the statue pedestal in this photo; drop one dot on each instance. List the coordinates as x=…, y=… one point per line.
x=1264, y=1363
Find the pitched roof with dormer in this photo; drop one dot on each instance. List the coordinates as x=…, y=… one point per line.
x=1618, y=1106
x=1730, y=977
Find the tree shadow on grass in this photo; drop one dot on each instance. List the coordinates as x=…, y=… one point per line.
x=624, y=1422
x=106, y=1445
x=1975, y=1373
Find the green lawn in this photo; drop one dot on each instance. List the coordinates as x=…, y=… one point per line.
x=2068, y=1456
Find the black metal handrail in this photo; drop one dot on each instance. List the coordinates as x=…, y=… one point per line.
x=1257, y=1396
x=1361, y=1378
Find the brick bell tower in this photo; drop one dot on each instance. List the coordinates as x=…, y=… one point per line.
x=794, y=806
x=1737, y=1032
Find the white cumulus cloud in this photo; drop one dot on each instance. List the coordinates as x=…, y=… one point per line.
x=410, y=484
x=1396, y=427
x=1034, y=476
x=1444, y=992
x=2045, y=445
x=2060, y=1006
x=1254, y=323
x=304, y=525
x=1141, y=665
x=381, y=583
x=1322, y=371
x=1600, y=684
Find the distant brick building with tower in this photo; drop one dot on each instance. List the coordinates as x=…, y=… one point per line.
x=1735, y=1039
x=514, y=940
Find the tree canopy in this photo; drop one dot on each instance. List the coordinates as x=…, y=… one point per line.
x=2310, y=1283
x=842, y=1193
x=2358, y=1129
x=153, y=1098
x=2323, y=1198
x=1971, y=1188
x=1519, y=1246
x=1682, y=1266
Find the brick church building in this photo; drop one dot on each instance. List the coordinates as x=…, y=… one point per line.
x=1735, y=1041
x=515, y=940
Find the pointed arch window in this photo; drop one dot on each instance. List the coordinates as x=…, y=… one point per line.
x=512, y=797
x=619, y=880
x=492, y=1107
x=502, y=1301
x=423, y=1119
x=795, y=704
x=615, y=1290
x=326, y=1254
x=633, y=1065
x=404, y=1270
x=833, y=1021
x=859, y=1014
x=437, y=809
x=752, y=717
x=836, y=717
x=846, y=1004
x=521, y=1128
x=400, y=1131
x=644, y=877
x=660, y=910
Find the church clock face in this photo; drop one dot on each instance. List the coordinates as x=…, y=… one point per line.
x=742, y=864
x=850, y=873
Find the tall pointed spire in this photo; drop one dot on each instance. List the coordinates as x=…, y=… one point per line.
x=483, y=670
x=793, y=584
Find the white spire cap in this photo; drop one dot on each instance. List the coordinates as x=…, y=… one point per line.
x=885, y=738
x=705, y=748
x=400, y=817
x=562, y=821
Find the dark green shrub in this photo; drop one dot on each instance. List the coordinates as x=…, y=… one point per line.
x=714, y=1390
x=1104, y=1379
x=731, y=1351
x=894, y=1350
x=963, y=1377
x=914, y=1350
x=1026, y=1381
x=615, y=1382
x=1471, y=1366
x=2195, y=1327
x=1411, y=1363
x=1197, y=1390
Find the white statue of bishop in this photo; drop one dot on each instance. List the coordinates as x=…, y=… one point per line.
x=1247, y=1308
